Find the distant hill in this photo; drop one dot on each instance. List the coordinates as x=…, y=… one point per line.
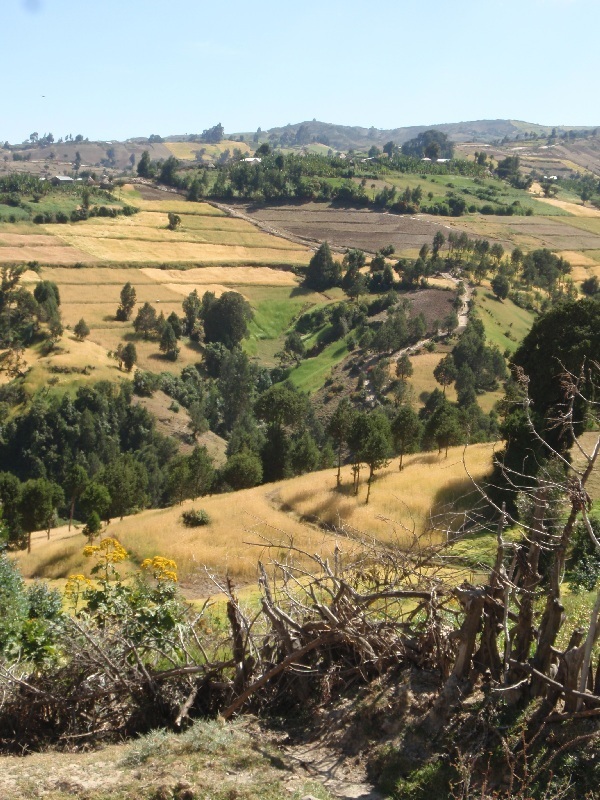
x=344, y=137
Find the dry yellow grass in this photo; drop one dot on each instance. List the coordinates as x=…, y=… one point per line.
x=573, y=208
x=221, y=546
x=260, y=276
x=578, y=259
x=171, y=202
x=400, y=501
x=93, y=276
x=24, y=239
x=186, y=151
x=55, y=254
x=136, y=250
x=274, y=513
x=422, y=379
x=248, y=236
x=72, y=354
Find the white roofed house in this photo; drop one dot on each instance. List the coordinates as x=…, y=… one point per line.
x=61, y=180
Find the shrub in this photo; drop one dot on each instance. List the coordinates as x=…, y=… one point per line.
x=195, y=518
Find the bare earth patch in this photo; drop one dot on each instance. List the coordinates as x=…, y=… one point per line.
x=573, y=208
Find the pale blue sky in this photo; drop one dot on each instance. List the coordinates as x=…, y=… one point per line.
x=112, y=69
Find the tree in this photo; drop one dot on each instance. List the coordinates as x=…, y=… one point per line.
x=438, y=242
x=370, y=439
x=591, y=286
x=95, y=499
x=126, y=480
x=293, y=348
x=226, y=319
x=93, y=526
x=10, y=504
x=174, y=221
x=404, y=367
x=305, y=456
x=338, y=428
x=178, y=479
x=168, y=343
x=38, y=503
x=128, y=301
x=445, y=371
x=75, y=484
x=406, y=431
x=192, y=308
x=243, y=470
x=201, y=471
x=145, y=321
x=443, y=427
x=323, y=272
x=126, y=356
x=563, y=338
x=175, y=322
x=197, y=413
x=144, y=167
x=81, y=330
x=500, y=286
x=213, y=135
x=282, y=406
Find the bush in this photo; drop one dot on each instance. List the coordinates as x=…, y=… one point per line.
x=195, y=518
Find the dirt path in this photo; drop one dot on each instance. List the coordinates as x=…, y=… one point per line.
x=342, y=776
x=463, y=318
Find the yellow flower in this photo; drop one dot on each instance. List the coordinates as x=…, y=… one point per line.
x=163, y=569
x=109, y=550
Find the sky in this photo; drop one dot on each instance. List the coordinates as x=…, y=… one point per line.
x=114, y=69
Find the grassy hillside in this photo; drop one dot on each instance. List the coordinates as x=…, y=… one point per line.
x=243, y=523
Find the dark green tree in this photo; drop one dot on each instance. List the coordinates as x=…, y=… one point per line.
x=445, y=371
x=75, y=483
x=168, y=343
x=338, y=428
x=404, y=367
x=81, y=330
x=95, y=499
x=305, y=456
x=500, y=286
x=39, y=500
x=406, y=431
x=201, y=472
x=226, y=319
x=128, y=301
x=145, y=321
x=323, y=271
x=243, y=470
x=144, y=167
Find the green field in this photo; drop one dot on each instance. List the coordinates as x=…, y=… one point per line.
x=502, y=318
x=467, y=187
x=311, y=374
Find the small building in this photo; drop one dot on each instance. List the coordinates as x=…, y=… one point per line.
x=61, y=180
x=252, y=160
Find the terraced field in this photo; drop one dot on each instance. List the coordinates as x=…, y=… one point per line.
x=206, y=235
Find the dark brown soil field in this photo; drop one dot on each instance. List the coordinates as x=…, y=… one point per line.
x=368, y=230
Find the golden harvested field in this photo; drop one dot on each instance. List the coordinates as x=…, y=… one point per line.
x=422, y=379
x=133, y=250
x=151, y=226
x=274, y=513
x=186, y=151
x=576, y=209
x=260, y=276
x=56, y=253
x=8, y=239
